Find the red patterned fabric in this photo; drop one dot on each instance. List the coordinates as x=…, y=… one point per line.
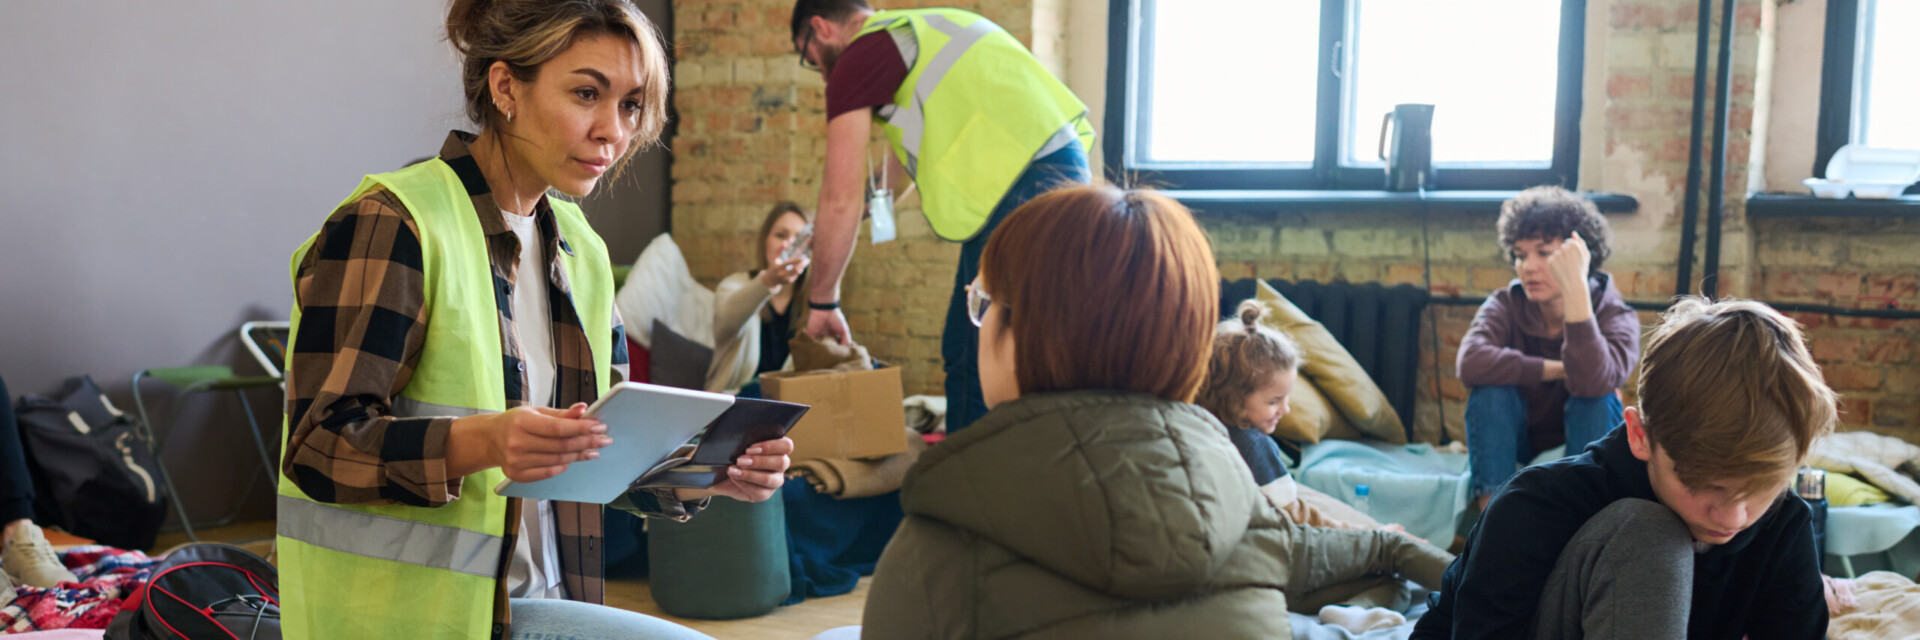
x=106, y=577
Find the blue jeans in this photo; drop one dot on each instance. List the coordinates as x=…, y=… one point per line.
x=1497, y=431
x=960, y=343
x=541, y=619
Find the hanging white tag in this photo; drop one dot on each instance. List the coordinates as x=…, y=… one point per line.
x=880, y=207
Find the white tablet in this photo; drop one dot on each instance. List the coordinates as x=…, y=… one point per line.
x=647, y=423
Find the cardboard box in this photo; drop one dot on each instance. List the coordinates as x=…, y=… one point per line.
x=855, y=414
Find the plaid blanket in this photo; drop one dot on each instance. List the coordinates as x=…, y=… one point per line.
x=106, y=577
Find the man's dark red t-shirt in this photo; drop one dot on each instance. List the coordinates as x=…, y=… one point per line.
x=867, y=74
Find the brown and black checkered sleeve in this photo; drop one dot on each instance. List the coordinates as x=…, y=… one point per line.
x=361, y=293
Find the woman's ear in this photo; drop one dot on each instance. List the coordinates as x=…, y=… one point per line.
x=500, y=85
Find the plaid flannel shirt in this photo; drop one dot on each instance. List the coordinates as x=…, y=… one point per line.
x=362, y=328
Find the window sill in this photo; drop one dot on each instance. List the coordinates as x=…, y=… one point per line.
x=1224, y=201
x=1781, y=205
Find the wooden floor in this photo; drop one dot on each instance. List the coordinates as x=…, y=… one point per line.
x=252, y=536
x=797, y=622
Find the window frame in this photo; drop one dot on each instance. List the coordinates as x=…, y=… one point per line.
x=1838, y=86
x=1839, y=82
x=1128, y=46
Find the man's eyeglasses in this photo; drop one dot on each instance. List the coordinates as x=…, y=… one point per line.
x=805, y=43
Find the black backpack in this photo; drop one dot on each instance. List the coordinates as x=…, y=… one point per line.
x=94, y=473
x=203, y=591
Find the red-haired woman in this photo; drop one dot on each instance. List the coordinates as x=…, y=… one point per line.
x=1092, y=501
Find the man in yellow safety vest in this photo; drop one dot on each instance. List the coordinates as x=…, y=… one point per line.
x=974, y=120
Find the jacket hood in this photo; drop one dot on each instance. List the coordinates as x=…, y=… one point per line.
x=1130, y=495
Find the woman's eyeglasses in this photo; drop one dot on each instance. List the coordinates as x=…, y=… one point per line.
x=977, y=303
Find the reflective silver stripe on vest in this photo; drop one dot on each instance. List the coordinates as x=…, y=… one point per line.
x=405, y=407
x=1065, y=136
x=912, y=121
x=387, y=538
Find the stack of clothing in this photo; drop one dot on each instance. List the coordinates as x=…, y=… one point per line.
x=841, y=512
x=106, y=576
x=1888, y=462
x=863, y=478
x=849, y=478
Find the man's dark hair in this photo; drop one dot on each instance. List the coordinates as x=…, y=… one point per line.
x=832, y=10
x=1553, y=213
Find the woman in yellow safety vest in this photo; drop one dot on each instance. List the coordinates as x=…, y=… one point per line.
x=451, y=321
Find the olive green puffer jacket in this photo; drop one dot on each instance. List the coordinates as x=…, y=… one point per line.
x=1083, y=515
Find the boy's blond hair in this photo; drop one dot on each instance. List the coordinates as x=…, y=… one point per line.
x=1729, y=391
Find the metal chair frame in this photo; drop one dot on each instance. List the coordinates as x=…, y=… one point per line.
x=190, y=380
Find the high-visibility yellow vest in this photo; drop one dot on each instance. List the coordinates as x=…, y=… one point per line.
x=396, y=571
x=974, y=110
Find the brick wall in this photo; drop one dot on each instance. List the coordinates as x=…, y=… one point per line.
x=751, y=127
x=1867, y=263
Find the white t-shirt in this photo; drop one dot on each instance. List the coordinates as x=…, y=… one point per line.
x=530, y=312
x=535, y=570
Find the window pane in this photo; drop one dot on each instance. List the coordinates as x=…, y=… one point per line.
x=1231, y=80
x=1891, y=115
x=1491, y=79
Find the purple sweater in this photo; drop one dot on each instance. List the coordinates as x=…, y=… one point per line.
x=1509, y=344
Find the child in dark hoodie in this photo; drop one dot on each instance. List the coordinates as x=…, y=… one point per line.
x=1680, y=524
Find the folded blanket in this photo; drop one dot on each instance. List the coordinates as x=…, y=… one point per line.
x=106, y=577
x=844, y=478
x=1412, y=485
x=1889, y=607
x=1877, y=458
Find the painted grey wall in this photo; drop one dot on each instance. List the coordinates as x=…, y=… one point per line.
x=161, y=161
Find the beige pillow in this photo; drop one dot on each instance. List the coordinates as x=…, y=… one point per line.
x=1312, y=417
x=1333, y=371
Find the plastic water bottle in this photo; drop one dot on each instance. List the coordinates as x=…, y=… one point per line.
x=1361, y=500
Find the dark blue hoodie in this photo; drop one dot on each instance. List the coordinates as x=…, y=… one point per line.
x=1762, y=584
